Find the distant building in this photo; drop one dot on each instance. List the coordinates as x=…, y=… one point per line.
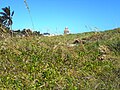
x=66, y=31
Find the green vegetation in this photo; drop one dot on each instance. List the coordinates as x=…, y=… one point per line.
x=51, y=63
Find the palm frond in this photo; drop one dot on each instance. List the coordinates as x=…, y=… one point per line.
x=12, y=13
x=6, y=10
x=3, y=14
x=5, y=22
x=10, y=22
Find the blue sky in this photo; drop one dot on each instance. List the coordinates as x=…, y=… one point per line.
x=54, y=15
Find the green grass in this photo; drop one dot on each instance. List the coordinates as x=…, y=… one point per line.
x=48, y=63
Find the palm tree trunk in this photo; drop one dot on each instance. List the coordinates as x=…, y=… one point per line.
x=11, y=30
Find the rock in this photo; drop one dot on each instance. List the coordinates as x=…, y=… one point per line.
x=77, y=41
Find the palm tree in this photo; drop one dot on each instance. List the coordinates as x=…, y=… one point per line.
x=6, y=17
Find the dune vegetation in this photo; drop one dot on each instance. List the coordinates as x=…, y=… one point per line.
x=57, y=63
